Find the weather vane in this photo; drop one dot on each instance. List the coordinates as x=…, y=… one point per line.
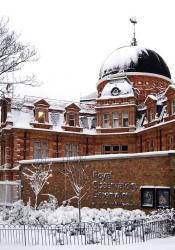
x=134, y=22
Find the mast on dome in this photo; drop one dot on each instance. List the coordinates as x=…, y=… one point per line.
x=134, y=22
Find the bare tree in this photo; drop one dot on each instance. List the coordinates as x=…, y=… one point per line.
x=38, y=176
x=75, y=171
x=13, y=56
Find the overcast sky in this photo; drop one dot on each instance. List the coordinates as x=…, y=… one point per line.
x=73, y=38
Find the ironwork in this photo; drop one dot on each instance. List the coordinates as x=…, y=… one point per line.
x=112, y=233
x=134, y=22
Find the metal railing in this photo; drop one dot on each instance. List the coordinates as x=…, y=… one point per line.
x=112, y=233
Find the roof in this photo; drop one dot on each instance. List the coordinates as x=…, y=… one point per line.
x=134, y=59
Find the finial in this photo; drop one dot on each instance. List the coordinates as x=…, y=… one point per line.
x=134, y=22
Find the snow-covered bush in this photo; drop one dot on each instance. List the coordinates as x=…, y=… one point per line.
x=49, y=213
x=50, y=204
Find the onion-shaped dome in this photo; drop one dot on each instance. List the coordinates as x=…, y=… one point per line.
x=134, y=59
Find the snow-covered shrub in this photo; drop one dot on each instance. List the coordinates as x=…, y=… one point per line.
x=13, y=214
x=49, y=213
x=164, y=214
x=50, y=204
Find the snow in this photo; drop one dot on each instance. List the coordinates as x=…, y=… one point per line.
x=122, y=58
x=22, y=118
x=172, y=86
x=162, y=187
x=88, y=97
x=101, y=157
x=156, y=244
x=122, y=84
x=153, y=97
x=22, y=114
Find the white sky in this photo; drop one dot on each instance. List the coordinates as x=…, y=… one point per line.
x=73, y=38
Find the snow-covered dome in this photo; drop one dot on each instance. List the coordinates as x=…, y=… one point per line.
x=117, y=87
x=134, y=59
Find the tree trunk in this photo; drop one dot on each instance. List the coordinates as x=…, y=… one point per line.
x=36, y=201
x=79, y=209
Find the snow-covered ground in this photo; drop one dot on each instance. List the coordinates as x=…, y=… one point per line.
x=156, y=244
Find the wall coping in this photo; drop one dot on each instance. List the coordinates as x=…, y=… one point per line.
x=169, y=153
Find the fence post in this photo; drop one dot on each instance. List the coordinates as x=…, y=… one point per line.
x=24, y=235
x=143, y=231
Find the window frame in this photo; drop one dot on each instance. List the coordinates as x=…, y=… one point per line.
x=125, y=119
x=71, y=149
x=115, y=117
x=172, y=106
x=111, y=149
x=72, y=120
x=42, y=153
x=41, y=119
x=171, y=142
x=124, y=150
x=106, y=121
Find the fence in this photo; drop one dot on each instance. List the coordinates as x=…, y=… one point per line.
x=117, y=233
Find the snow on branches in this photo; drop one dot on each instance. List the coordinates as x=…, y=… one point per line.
x=75, y=171
x=38, y=176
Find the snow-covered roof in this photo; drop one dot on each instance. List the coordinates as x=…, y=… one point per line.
x=117, y=88
x=134, y=59
x=22, y=113
x=153, y=97
x=90, y=97
x=122, y=58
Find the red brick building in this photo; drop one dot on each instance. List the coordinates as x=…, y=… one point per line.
x=132, y=111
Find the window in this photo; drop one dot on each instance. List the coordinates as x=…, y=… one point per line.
x=71, y=150
x=115, y=120
x=172, y=106
x=10, y=191
x=125, y=119
x=155, y=197
x=68, y=150
x=114, y=149
x=171, y=144
x=72, y=120
x=44, y=151
x=36, y=150
x=152, y=115
x=41, y=116
x=75, y=150
x=106, y=120
x=107, y=149
x=40, y=150
x=124, y=148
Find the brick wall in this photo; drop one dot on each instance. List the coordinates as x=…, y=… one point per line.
x=113, y=181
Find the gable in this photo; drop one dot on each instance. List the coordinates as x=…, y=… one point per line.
x=151, y=99
x=72, y=106
x=41, y=102
x=170, y=89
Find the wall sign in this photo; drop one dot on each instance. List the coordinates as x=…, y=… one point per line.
x=108, y=192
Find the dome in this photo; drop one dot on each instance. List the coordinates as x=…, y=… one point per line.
x=134, y=59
